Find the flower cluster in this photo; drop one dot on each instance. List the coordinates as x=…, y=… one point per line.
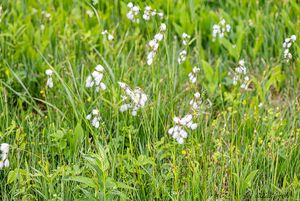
x=240, y=75
x=197, y=104
x=185, y=38
x=154, y=43
x=182, y=56
x=183, y=53
x=132, y=14
x=94, y=117
x=4, y=148
x=137, y=99
x=110, y=37
x=95, y=79
x=286, y=46
x=178, y=132
x=49, y=83
x=148, y=12
x=193, y=74
x=220, y=29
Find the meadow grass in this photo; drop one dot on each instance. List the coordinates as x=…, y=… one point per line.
x=246, y=145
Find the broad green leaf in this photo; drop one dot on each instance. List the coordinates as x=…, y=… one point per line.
x=249, y=178
x=12, y=176
x=84, y=180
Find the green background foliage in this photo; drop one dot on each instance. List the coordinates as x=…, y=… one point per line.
x=246, y=145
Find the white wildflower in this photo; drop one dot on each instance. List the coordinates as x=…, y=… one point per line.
x=154, y=43
x=4, y=148
x=182, y=56
x=219, y=30
x=110, y=37
x=240, y=75
x=149, y=12
x=161, y=15
x=185, y=38
x=95, y=79
x=193, y=74
x=137, y=98
x=287, y=44
x=94, y=118
x=132, y=14
x=178, y=132
x=49, y=83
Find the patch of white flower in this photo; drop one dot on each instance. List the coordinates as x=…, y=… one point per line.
x=196, y=102
x=241, y=76
x=4, y=148
x=110, y=37
x=193, y=74
x=132, y=15
x=154, y=43
x=135, y=99
x=287, y=44
x=185, y=38
x=183, y=53
x=220, y=29
x=182, y=56
x=178, y=132
x=49, y=82
x=95, y=79
x=94, y=118
x=149, y=12
x=198, y=106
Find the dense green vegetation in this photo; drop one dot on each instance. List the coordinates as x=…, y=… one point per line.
x=245, y=146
